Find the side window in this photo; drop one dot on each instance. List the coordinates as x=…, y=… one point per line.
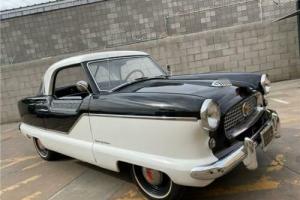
x=66, y=79
x=106, y=75
x=100, y=70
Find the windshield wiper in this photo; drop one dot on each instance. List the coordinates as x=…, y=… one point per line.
x=148, y=78
x=162, y=76
x=139, y=80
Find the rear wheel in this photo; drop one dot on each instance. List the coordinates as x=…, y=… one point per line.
x=43, y=152
x=155, y=184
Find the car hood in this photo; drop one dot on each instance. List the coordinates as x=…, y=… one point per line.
x=203, y=89
x=167, y=97
x=200, y=88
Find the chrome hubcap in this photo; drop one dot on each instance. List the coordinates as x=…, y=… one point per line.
x=152, y=176
x=154, y=183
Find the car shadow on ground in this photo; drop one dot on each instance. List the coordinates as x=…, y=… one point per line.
x=123, y=175
x=236, y=181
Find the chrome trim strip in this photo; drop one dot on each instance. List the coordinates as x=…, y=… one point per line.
x=146, y=117
x=93, y=78
x=101, y=142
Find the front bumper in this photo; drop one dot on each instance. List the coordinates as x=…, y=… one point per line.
x=245, y=153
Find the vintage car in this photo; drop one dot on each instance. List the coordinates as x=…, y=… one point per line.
x=112, y=108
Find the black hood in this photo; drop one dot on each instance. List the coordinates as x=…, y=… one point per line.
x=203, y=89
x=167, y=97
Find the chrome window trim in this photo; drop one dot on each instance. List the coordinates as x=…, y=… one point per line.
x=93, y=78
x=52, y=80
x=146, y=117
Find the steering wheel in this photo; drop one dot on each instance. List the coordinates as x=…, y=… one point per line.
x=134, y=71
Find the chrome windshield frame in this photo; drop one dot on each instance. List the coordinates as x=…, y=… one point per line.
x=116, y=58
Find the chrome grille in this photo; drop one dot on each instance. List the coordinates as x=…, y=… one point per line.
x=235, y=115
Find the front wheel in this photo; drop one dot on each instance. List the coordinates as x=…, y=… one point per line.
x=43, y=152
x=155, y=184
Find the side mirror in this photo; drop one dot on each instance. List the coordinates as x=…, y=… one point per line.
x=82, y=86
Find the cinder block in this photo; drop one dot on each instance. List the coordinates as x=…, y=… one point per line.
x=229, y=51
x=248, y=41
x=251, y=54
x=259, y=60
x=215, y=54
x=221, y=46
x=258, y=46
x=252, y=68
x=243, y=49
x=231, y=64
x=267, y=66
x=265, y=52
x=201, y=56
x=245, y=63
x=175, y=60
x=273, y=58
x=236, y=43
x=193, y=50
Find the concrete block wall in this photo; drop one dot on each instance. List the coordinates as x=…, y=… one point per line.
x=105, y=24
x=269, y=48
x=256, y=47
x=234, y=13
x=19, y=81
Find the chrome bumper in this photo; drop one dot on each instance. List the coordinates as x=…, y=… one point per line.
x=246, y=153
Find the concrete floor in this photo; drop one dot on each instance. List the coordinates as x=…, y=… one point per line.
x=27, y=177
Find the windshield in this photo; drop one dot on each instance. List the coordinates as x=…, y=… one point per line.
x=112, y=73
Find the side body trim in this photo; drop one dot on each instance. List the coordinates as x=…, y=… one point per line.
x=146, y=117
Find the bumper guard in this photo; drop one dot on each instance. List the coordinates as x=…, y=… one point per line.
x=246, y=153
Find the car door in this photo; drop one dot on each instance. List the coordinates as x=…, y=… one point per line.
x=65, y=104
x=66, y=115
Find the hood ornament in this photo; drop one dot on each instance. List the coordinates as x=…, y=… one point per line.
x=246, y=109
x=221, y=83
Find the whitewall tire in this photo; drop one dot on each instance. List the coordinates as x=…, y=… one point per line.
x=155, y=184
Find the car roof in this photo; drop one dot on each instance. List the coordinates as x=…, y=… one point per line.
x=83, y=58
x=95, y=56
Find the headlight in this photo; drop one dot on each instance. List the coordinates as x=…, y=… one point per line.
x=210, y=115
x=265, y=83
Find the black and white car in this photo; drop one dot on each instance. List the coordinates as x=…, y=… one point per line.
x=117, y=107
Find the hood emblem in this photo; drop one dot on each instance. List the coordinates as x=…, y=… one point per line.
x=221, y=83
x=246, y=109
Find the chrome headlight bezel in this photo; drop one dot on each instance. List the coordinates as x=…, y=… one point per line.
x=210, y=115
x=265, y=83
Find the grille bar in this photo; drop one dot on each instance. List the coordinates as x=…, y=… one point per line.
x=235, y=115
